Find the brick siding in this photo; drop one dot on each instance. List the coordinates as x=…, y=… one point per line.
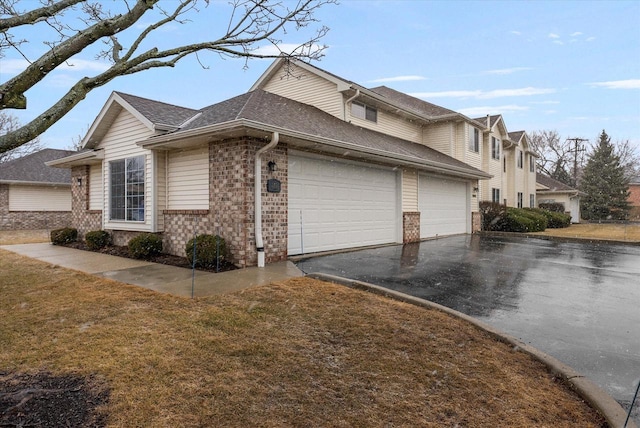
x=476, y=222
x=410, y=227
x=82, y=218
x=19, y=220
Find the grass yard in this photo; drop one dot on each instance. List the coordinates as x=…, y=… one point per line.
x=294, y=353
x=616, y=232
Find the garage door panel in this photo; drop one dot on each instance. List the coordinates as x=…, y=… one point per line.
x=343, y=205
x=443, y=206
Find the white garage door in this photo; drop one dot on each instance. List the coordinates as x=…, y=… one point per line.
x=443, y=206
x=336, y=204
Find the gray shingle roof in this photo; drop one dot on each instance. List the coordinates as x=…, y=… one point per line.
x=270, y=109
x=553, y=184
x=483, y=120
x=412, y=103
x=515, y=136
x=158, y=112
x=32, y=168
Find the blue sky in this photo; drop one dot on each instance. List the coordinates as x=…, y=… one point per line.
x=570, y=66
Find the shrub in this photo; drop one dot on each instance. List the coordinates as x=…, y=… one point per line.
x=539, y=218
x=97, y=239
x=210, y=250
x=493, y=215
x=64, y=236
x=515, y=221
x=558, y=220
x=556, y=207
x=145, y=245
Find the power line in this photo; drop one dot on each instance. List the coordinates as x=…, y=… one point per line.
x=577, y=147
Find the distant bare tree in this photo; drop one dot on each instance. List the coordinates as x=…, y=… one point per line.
x=555, y=156
x=250, y=22
x=629, y=158
x=9, y=123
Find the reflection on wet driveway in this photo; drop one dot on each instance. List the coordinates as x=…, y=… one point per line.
x=579, y=302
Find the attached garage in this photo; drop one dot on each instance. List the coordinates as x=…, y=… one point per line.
x=335, y=204
x=444, y=206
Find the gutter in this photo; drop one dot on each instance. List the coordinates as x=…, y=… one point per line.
x=275, y=137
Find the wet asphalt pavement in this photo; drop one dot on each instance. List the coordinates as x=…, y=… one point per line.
x=578, y=302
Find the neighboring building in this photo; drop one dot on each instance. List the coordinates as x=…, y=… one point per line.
x=634, y=198
x=34, y=195
x=550, y=190
x=338, y=166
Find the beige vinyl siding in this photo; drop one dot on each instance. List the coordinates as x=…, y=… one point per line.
x=520, y=184
x=96, y=197
x=120, y=143
x=390, y=124
x=188, y=183
x=409, y=190
x=39, y=198
x=439, y=137
x=161, y=160
x=307, y=88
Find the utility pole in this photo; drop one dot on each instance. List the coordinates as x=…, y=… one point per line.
x=577, y=147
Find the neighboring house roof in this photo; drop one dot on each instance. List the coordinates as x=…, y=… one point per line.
x=305, y=125
x=547, y=184
x=31, y=169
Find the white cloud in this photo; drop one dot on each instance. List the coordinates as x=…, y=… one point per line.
x=618, y=84
x=482, y=111
x=484, y=95
x=558, y=42
x=507, y=70
x=576, y=34
x=544, y=102
x=15, y=66
x=517, y=33
x=398, y=79
x=550, y=111
x=553, y=36
x=590, y=39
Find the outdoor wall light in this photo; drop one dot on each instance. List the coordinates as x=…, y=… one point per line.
x=272, y=166
x=79, y=181
x=475, y=190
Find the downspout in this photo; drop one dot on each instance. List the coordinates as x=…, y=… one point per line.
x=258, y=196
x=347, y=103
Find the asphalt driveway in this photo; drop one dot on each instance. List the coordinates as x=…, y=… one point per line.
x=578, y=302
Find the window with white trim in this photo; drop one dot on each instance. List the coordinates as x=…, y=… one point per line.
x=532, y=200
x=495, y=195
x=532, y=164
x=520, y=159
x=520, y=199
x=495, y=148
x=126, y=185
x=363, y=111
x=474, y=139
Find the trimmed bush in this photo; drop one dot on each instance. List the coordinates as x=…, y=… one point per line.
x=555, y=207
x=97, y=239
x=493, y=214
x=558, y=220
x=540, y=220
x=64, y=236
x=515, y=221
x=145, y=245
x=210, y=250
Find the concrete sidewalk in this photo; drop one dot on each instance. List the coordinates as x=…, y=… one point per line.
x=157, y=277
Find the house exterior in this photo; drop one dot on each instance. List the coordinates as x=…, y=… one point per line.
x=304, y=162
x=634, y=198
x=550, y=190
x=34, y=195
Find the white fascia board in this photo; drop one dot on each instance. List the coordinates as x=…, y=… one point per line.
x=66, y=162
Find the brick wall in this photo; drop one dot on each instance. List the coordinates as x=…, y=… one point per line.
x=17, y=220
x=634, y=195
x=82, y=218
x=476, y=222
x=231, y=213
x=410, y=227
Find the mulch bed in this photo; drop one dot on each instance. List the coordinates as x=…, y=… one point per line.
x=165, y=259
x=45, y=400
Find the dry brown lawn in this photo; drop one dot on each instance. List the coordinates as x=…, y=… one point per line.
x=615, y=232
x=294, y=353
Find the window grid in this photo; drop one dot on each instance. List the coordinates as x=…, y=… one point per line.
x=520, y=199
x=127, y=189
x=363, y=111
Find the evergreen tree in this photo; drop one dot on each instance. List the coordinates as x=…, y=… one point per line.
x=560, y=173
x=604, y=182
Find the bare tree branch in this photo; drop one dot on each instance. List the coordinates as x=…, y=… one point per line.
x=33, y=16
x=251, y=22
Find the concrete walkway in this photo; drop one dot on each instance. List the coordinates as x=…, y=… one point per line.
x=157, y=277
